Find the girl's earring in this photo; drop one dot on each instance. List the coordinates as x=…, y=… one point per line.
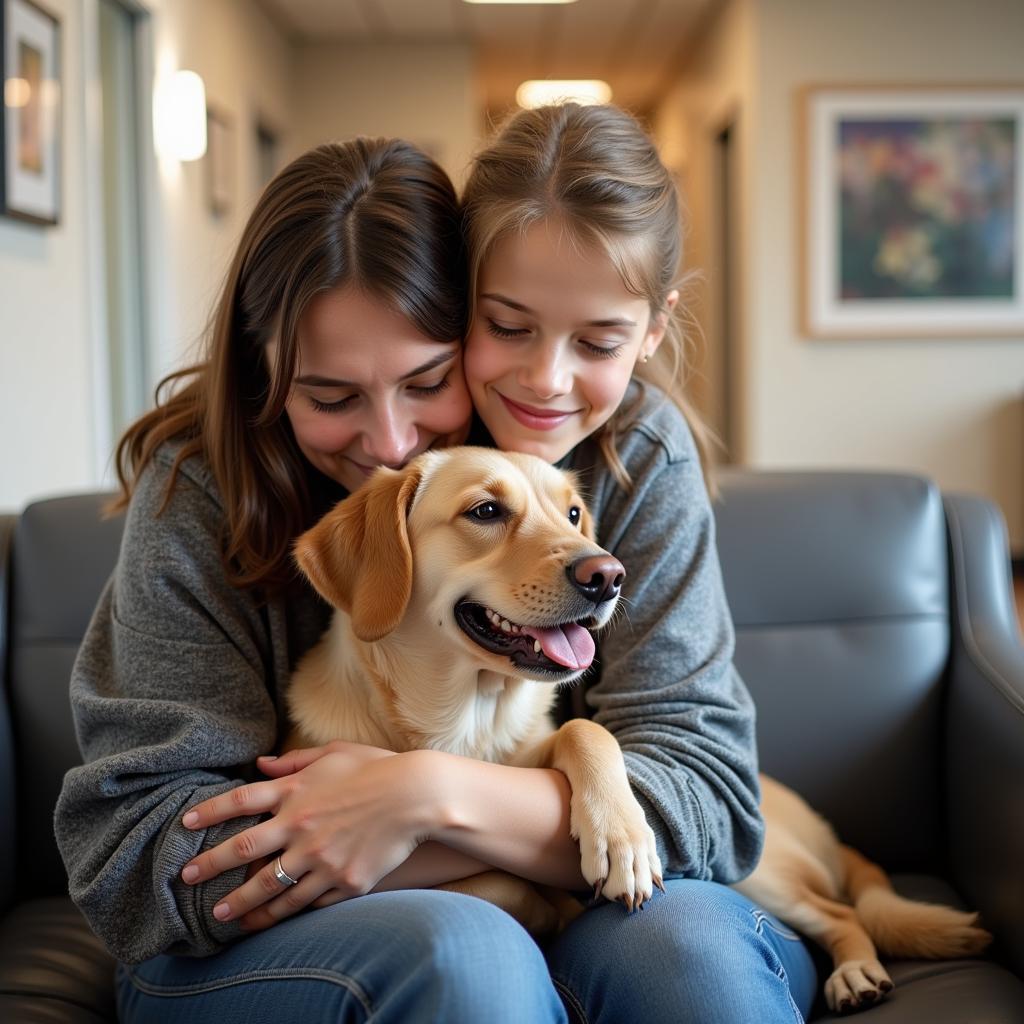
x=646, y=358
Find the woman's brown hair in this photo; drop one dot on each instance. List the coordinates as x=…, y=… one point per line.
x=375, y=213
x=595, y=170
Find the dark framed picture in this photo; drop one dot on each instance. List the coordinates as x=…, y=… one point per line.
x=30, y=148
x=220, y=160
x=913, y=211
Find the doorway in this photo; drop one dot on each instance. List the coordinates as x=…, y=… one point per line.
x=724, y=391
x=123, y=268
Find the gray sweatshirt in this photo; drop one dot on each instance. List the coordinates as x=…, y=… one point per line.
x=178, y=687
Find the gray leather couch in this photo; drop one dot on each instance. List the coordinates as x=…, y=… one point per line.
x=874, y=625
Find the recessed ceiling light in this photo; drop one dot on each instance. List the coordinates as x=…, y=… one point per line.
x=540, y=91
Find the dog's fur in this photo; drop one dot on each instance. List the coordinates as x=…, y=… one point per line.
x=836, y=897
x=397, y=670
x=408, y=567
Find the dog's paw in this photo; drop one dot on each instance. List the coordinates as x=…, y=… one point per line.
x=618, y=854
x=856, y=985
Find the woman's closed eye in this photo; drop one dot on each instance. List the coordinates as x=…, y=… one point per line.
x=339, y=406
x=416, y=390
x=501, y=331
x=429, y=390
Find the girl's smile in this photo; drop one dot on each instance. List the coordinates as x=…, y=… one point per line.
x=534, y=418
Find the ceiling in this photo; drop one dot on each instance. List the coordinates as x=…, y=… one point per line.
x=634, y=45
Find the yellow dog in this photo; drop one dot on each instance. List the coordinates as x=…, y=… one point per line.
x=466, y=586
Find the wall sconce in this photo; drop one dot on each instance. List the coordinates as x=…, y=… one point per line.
x=179, y=116
x=539, y=92
x=17, y=92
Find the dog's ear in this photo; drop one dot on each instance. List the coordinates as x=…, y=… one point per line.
x=358, y=556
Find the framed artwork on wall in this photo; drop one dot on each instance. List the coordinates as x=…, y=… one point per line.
x=220, y=160
x=30, y=130
x=912, y=204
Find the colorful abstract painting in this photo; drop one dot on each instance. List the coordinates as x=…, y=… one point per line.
x=913, y=212
x=927, y=208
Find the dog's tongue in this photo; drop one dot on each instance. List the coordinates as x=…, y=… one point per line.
x=569, y=645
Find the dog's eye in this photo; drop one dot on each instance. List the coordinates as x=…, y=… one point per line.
x=575, y=514
x=487, y=511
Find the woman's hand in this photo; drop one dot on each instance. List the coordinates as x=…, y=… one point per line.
x=301, y=757
x=343, y=818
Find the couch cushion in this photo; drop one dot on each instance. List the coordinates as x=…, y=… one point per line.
x=954, y=992
x=838, y=587
x=63, y=553
x=53, y=967
x=8, y=788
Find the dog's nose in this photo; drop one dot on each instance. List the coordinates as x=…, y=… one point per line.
x=597, y=577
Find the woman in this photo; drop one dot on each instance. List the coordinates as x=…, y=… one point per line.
x=347, y=292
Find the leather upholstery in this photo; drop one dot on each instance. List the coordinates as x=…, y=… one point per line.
x=985, y=726
x=62, y=555
x=879, y=643
x=52, y=966
x=8, y=836
x=837, y=585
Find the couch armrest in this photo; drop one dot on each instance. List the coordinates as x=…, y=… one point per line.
x=985, y=724
x=8, y=850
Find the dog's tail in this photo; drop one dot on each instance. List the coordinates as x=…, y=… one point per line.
x=907, y=928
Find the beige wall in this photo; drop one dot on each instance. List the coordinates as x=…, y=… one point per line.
x=422, y=91
x=716, y=92
x=46, y=414
x=52, y=349
x=246, y=65
x=950, y=409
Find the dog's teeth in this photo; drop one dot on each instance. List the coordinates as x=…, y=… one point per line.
x=506, y=626
x=536, y=647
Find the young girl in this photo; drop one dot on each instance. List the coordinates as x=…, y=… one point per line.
x=573, y=231
x=574, y=237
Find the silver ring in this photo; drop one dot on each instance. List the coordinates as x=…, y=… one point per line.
x=282, y=876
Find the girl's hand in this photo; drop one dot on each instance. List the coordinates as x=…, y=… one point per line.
x=342, y=822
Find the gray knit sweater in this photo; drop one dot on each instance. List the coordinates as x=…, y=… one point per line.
x=178, y=685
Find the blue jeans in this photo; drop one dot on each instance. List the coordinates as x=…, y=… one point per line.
x=699, y=953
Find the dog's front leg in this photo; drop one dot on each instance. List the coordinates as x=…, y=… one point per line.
x=618, y=853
